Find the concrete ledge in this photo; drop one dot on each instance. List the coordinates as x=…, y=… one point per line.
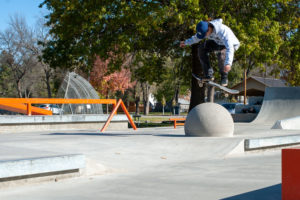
x=41, y=165
x=15, y=128
x=16, y=123
x=24, y=119
x=271, y=142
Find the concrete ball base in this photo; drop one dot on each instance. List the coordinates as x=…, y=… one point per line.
x=209, y=120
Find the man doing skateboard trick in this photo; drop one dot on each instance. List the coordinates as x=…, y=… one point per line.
x=221, y=39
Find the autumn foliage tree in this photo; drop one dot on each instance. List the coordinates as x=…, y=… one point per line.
x=107, y=84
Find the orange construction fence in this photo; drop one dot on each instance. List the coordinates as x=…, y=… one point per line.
x=17, y=105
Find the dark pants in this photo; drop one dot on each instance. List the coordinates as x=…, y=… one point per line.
x=207, y=47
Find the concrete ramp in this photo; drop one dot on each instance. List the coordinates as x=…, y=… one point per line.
x=279, y=103
x=288, y=124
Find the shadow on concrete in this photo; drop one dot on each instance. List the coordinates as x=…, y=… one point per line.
x=97, y=134
x=169, y=135
x=269, y=193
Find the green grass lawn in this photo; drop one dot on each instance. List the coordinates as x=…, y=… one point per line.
x=165, y=114
x=153, y=119
x=156, y=119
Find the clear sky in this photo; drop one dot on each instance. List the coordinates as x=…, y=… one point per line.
x=29, y=9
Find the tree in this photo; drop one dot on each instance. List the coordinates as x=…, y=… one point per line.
x=6, y=84
x=147, y=29
x=151, y=31
x=43, y=37
x=175, y=80
x=23, y=74
x=16, y=56
x=137, y=98
x=142, y=65
x=289, y=52
x=84, y=29
x=108, y=84
x=103, y=27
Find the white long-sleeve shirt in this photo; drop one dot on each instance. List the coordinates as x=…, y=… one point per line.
x=222, y=35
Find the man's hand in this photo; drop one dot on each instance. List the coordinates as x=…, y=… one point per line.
x=182, y=45
x=227, y=68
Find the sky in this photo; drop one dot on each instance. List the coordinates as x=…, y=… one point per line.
x=29, y=9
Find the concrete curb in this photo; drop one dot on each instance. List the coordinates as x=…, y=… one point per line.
x=271, y=142
x=41, y=165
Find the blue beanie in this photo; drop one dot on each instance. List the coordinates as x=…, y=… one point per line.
x=202, y=28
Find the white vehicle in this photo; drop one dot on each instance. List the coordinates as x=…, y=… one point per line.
x=56, y=110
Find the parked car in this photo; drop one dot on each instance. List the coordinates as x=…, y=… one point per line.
x=56, y=110
x=230, y=107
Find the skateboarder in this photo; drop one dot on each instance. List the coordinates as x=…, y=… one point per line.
x=220, y=38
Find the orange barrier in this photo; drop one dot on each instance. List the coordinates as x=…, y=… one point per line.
x=120, y=102
x=22, y=108
x=57, y=101
x=14, y=104
x=177, y=123
x=29, y=101
x=290, y=174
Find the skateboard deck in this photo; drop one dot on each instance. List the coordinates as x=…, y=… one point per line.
x=201, y=81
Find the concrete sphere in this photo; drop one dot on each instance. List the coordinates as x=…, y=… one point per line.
x=209, y=120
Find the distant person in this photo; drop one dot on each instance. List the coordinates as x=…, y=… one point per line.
x=220, y=38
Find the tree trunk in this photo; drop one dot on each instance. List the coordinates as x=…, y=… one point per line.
x=19, y=89
x=137, y=99
x=47, y=81
x=176, y=96
x=146, y=107
x=137, y=108
x=197, y=93
x=146, y=90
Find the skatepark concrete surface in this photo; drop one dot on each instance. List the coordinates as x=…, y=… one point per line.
x=154, y=163
x=151, y=163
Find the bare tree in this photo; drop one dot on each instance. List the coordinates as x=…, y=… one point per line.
x=21, y=52
x=42, y=37
x=13, y=43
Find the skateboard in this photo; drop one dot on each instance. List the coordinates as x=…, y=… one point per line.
x=202, y=81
